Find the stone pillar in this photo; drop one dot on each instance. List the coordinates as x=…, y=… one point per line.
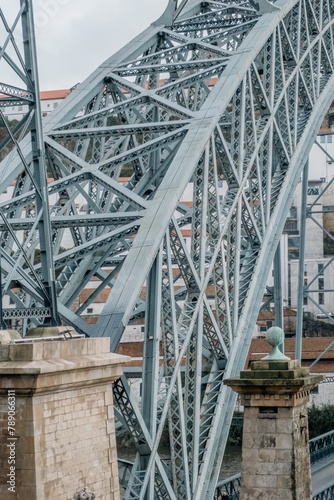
x=275, y=448
x=56, y=419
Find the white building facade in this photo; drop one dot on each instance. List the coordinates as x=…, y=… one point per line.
x=49, y=101
x=319, y=247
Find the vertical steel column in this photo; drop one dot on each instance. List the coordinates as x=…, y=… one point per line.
x=38, y=161
x=278, y=297
x=151, y=362
x=2, y=323
x=300, y=297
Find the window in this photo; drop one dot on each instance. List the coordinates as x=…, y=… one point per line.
x=305, y=300
x=55, y=104
x=313, y=190
x=321, y=269
x=321, y=298
x=321, y=283
x=329, y=139
x=89, y=310
x=293, y=212
x=322, y=139
x=293, y=247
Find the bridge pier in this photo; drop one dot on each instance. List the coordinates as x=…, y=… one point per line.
x=56, y=419
x=275, y=449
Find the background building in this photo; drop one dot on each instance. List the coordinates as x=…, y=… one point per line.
x=49, y=101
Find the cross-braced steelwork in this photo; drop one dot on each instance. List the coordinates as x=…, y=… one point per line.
x=35, y=296
x=225, y=96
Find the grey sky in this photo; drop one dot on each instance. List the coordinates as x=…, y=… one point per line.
x=75, y=36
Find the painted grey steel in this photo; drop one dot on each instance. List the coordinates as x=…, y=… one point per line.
x=308, y=210
x=23, y=62
x=278, y=296
x=322, y=447
x=301, y=266
x=324, y=494
x=321, y=455
x=217, y=97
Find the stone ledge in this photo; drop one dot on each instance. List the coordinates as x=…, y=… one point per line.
x=61, y=364
x=84, y=362
x=54, y=377
x=273, y=386
x=54, y=349
x=275, y=374
x=270, y=364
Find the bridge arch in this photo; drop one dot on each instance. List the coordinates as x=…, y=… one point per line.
x=213, y=92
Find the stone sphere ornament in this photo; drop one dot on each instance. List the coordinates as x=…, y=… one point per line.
x=275, y=337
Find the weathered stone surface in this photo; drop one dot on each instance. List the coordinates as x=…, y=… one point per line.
x=275, y=454
x=6, y=336
x=271, y=365
x=64, y=418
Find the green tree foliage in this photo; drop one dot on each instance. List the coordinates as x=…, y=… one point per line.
x=320, y=420
x=235, y=434
x=7, y=146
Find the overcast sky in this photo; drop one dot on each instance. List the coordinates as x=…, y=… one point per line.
x=75, y=36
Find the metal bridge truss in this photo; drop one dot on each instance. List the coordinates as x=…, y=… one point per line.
x=231, y=91
x=35, y=296
x=321, y=448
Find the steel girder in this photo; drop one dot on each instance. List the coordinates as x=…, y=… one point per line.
x=215, y=91
x=19, y=61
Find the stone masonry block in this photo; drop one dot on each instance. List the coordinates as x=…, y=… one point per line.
x=66, y=422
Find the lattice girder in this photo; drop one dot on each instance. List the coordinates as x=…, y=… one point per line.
x=213, y=92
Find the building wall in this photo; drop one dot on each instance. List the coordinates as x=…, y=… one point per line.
x=49, y=101
x=324, y=394
x=319, y=248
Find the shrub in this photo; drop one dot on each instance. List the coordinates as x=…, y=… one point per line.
x=320, y=420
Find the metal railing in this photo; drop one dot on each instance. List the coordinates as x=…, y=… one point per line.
x=124, y=473
x=326, y=494
x=321, y=447
x=230, y=486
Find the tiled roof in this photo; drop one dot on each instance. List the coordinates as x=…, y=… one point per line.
x=48, y=94
x=54, y=94
x=311, y=349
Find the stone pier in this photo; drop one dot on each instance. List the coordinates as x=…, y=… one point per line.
x=275, y=448
x=57, y=420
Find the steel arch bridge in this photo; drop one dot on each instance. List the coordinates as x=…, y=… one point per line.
x=213, y=91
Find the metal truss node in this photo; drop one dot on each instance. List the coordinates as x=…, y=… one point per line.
x=225, y=96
